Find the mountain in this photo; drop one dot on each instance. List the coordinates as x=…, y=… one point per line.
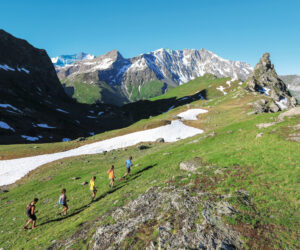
x=64, y=60
x=146, y=75
x=35, y=108
x=293, y=83
x=264, y=80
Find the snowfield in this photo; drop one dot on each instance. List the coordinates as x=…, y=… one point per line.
x=15, y=169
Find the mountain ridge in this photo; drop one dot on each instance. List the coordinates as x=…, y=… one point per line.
x=165, y=67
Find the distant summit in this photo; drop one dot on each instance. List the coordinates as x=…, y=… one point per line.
x=64, y=60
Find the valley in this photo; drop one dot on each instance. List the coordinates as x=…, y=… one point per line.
x=215, y=157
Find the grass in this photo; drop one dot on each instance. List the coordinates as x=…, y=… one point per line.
x=267, y=168
x=88, y=89
x=146, y=91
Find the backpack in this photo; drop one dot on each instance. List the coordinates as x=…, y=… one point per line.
x=28, y=208
x=60, y=200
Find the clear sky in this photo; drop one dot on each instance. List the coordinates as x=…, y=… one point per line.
x=234, y=29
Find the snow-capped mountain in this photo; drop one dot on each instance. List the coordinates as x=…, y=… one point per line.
x=64, y=60
x=170, y=67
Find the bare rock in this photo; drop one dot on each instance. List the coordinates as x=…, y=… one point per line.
x=190, y=166
x=265, y=125
x=160, y=140
x=264, y=80
x=161, y=208
x=259, y=135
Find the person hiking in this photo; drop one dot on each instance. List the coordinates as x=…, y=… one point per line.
x=63, y=201
x=111, y=175
x=30, y=211
x=128, y=164
x=93, y=188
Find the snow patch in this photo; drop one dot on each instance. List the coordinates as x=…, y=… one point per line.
x=13, y=170
x=63, y=111
x=282, y=103
x=10, y=106
x=221, y=88
x=100, y=113
x=44, y=125
x=191, y=114
x=30, y=138
x=6, y=67
x=4, y=125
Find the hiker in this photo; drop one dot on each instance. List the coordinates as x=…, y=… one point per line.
x=63, y=201
x=30, y=211
x=111, y=175
x=93, y=188
x=128, y=166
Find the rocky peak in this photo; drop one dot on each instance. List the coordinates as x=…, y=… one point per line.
x=113, y=54
x=265, y=80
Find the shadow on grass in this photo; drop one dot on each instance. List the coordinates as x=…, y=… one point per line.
x=102, y=196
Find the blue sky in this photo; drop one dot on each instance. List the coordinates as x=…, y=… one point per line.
x=234, y=29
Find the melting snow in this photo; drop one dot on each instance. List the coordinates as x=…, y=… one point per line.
x=6, y=67
x=10, y=106
x=282, y=104
x=61, y=110
x=221, y=88
x=191, y=114
x=23, y=69
x=4, y=125
x=13, y=170
x=30, y=138
x=44, y=125
x=100, y=113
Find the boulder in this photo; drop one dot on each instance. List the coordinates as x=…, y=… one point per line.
x=160, y=140
x=142, y=147
x=190, y=166
x=80, y=139
x=259, y=135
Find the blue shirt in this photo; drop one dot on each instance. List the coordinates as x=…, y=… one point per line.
x=128, y=163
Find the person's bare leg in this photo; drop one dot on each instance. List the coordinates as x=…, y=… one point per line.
x=33, y=224
x=28, y=222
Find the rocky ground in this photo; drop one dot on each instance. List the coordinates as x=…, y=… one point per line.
x=173, y=219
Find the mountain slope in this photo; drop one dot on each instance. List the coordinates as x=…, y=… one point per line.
x=293, y=83
x=243, y=193
x=153, y=73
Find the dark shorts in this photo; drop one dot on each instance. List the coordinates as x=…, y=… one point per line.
x=31, y=216
x=128, y=170
x=64, y=204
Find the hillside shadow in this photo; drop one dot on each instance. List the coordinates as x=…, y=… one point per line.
x=144, y=109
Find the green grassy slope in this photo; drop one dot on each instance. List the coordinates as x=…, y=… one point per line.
x=146, y=91
x=84, y=92
x=266, y=167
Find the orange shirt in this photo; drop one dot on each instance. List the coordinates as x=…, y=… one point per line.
x=111, y=174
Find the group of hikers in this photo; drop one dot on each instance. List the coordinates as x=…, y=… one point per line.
x=30, y=208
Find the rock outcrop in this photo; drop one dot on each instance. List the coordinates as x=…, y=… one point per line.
x=171, y=217
x=265, y=80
